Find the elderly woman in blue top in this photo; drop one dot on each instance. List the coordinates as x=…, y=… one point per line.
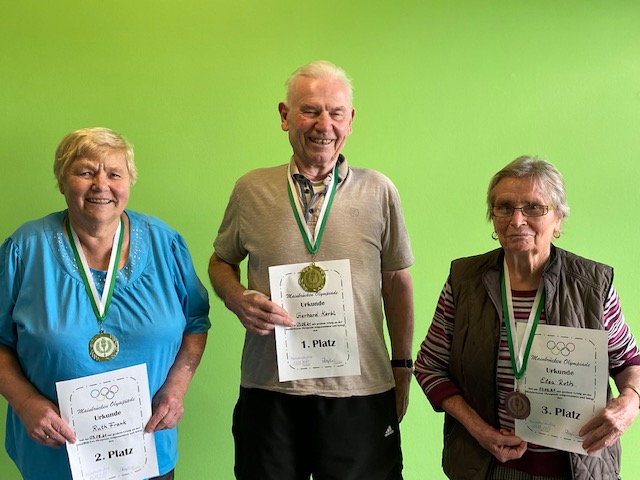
x=52, y=328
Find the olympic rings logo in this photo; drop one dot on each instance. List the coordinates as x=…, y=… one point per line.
x=105, y=393
x=561, y=348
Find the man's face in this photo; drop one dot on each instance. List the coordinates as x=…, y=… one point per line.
x=318, y=118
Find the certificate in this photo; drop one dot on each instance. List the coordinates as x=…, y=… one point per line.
x=108, y=413
x=323, y=343
x=566, y=382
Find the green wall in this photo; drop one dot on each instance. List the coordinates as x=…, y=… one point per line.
x=446, y=93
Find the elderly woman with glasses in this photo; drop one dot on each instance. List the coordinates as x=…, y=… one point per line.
x=471, y=364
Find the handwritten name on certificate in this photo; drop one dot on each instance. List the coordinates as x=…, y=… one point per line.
x=323, y=343
x=566, y=382
x=108, y=413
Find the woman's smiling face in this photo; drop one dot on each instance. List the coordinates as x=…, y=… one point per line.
x=97, y=190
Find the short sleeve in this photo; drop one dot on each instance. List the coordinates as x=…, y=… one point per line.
x=228, y=244
x=10, y=281
x=396, y=247
x=193, y=295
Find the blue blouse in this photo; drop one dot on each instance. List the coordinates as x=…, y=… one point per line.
x=47, y=318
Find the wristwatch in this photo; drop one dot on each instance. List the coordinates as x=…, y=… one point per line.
x=402, y=363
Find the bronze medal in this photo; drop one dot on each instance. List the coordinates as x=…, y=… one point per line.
x=103, y=347
x=517, y=405
x=312, y=278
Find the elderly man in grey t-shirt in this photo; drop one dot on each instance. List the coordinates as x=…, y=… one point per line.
x=316, y=209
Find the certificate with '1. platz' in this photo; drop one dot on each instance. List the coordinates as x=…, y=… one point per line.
x=319, y=298
x=108, y=413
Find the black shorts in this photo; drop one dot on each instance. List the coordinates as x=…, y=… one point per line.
x=289, y=437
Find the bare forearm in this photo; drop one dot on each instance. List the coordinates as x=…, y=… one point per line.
x=186, y=363
x=168, y=402
x=629, y=377
x=397, y=293
x=225, y=279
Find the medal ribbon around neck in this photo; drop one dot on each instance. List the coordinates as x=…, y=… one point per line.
x=519, y=363
x=99, y=304
x=312, y=241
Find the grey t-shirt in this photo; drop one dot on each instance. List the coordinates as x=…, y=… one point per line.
x=365, y=226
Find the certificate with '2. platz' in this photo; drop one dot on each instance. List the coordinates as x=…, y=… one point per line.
x=108, y=413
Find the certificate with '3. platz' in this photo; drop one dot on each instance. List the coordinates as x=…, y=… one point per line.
x=566, y=382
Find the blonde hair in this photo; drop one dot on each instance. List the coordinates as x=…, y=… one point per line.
x=92, y=143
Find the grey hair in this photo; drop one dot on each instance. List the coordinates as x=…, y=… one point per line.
x=545, y=177
x=92, y=143
x=319, y=69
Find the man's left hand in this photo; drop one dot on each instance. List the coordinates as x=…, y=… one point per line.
x=403, y=378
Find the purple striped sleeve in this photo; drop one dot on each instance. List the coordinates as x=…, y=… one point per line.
x=432, y=363
x=623, y=349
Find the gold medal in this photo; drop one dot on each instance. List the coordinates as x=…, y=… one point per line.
x=103, y=347
x=517, y=405
x=312, y=278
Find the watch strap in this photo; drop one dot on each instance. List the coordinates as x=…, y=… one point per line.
x=402, y=363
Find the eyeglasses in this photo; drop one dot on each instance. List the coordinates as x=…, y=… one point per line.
x=532, y=210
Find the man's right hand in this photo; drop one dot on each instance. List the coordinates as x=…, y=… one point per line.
x=260, y=315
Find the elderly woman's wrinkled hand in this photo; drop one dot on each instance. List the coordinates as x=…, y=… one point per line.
x=43, y=423
x=503, y=444
x=609, y=424
x=168, y=410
